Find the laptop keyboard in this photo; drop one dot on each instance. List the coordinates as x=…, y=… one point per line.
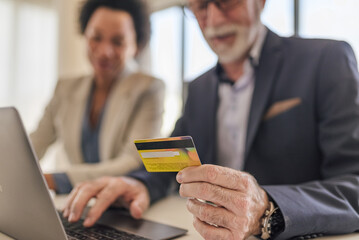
x=76, y=231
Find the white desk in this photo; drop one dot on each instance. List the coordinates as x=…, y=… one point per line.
x=172, y=211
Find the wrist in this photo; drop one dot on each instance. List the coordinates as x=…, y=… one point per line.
x=50, y=181
x=272, y=222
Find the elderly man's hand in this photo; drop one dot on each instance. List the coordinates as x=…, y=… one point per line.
x=240, y=201
x=119, y=191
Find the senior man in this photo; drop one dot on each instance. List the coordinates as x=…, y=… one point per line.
x=276, y=123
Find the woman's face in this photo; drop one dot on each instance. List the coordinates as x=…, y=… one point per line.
x=111, y=41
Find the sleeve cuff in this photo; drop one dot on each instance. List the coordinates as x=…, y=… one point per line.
x=62, y=182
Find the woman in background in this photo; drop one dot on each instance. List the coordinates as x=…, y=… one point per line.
x=94, y=119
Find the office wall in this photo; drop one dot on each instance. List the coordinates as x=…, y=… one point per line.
x=72, y=59
x=28, y=55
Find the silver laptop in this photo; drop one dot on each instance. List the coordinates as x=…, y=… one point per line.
x=26, y=208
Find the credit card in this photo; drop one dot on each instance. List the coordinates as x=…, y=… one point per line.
x=167, y=154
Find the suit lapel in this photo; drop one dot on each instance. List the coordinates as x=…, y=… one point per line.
x=115, y=111
x=265, y=75
x=211, y=110
x=74, y=117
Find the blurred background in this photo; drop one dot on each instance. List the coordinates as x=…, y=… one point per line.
x=40, y=43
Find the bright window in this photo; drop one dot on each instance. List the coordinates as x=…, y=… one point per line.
x=6, y=15
x=278, y=16
x=198, y=56
x=28, y=58
x=166, y=61
x=334, y=19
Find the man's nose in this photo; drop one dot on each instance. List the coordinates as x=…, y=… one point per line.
x=215, y=16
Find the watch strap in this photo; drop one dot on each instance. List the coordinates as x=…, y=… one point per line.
x=272, y=223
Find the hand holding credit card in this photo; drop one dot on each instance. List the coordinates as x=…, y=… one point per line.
x=167, y=154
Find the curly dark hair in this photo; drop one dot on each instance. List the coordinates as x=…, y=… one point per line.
x=136, y=8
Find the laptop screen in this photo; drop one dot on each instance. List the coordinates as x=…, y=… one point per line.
x=27, y=210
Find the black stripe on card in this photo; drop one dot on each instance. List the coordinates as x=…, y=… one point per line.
x=186, y=143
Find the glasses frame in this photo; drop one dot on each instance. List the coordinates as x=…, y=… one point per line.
x=200, y=13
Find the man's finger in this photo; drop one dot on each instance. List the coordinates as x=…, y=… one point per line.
x=209, y=232
x=216, y=216
x=232, y=200
x=217, y=175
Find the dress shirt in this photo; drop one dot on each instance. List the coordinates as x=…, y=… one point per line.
x=233, y=110
x=90, y=135
x=89, y=145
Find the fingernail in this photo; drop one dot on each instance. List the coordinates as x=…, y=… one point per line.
x=72, y=217
x=87, y=221
x=179, y=177
x=135, y=210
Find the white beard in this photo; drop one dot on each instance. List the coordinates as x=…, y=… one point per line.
x=244, y=39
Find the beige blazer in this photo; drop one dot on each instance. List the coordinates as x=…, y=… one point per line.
x=133, y=111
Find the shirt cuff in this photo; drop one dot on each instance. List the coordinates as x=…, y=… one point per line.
x=62, y=182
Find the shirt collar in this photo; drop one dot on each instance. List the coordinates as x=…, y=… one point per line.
x=256, y=50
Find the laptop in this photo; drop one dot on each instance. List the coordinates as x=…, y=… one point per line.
x=26, y=207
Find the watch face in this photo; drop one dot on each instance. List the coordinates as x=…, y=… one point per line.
x=267, y=221
x=276, y=223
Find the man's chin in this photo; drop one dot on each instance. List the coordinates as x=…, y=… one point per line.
x=230, y=54
x=228, y=57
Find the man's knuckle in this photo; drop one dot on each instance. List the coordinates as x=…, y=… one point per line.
x=222, y=220
x=203, y=214
x=204, y=189
x=236, y=222
x=212, y=173
x=242, y=203
x=245, y=182
x=245, y=203
x=220, y=195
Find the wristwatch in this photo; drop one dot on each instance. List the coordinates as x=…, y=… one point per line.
x=272, y=222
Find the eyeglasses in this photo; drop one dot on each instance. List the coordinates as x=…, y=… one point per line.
x=199, y=7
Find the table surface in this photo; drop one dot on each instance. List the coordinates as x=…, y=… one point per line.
x=172, y=210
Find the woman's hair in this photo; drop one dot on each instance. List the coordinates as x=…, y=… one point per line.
x=136, y=8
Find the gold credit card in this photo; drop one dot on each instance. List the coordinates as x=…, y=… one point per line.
x=168, y=154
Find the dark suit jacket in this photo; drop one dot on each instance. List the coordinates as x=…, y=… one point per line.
x=307, y=156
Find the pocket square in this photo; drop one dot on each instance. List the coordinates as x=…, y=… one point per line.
x=281, y=106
